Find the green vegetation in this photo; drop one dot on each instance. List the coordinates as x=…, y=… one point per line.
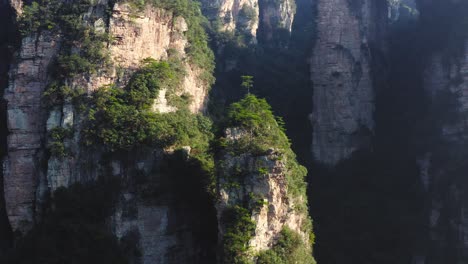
x=75, y=231
x=239, y=230
x=66, y=18
x=122, y=119
x=289, y=249
x=255, y=116
x=262, y=132
x=56, y=95
x=247, y=82
x=248, y=13
x=56, y=144
x=246, y=17
x=145, y=84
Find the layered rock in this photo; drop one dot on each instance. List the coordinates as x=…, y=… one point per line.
x=350, y=38
x=26, y=119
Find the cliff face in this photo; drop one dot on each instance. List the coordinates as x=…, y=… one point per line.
x=151, y=34
x=162, y=231
x=234, y=15
x=26, y=121
x=162, y=212
x=252, y=17
x=444, y=163
x=264, y=178
x=350, y=38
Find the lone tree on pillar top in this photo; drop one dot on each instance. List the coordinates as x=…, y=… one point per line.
x=247, y=82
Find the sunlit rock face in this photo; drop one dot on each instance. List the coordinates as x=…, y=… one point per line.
x=350, y=38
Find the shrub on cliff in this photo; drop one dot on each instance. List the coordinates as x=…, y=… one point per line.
x=122, y=119
x=289, y=249
x=255, y=116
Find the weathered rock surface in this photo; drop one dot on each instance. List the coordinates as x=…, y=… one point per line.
x=276, y=16
x=138, y=35
x=231, y=16
x=151, y=33
x=350, y=35
x=264, y=177
x=446, y=83
x=26, y=120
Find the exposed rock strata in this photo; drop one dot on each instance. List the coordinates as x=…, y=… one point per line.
x=26, y=120
x=350, y=35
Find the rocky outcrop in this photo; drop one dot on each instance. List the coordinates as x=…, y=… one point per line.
x=261, y=183
x=140, y=34
x=151, y=33
x=349, y=40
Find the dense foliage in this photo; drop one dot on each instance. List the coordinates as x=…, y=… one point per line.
x=56, y=145
x=122, y=119
x=239, y=230
x=289, y=249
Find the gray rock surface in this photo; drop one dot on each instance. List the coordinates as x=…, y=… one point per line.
x=446, y=83
x=349, y=33
x=26, y=123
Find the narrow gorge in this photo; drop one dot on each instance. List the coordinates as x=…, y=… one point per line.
x=233, y=131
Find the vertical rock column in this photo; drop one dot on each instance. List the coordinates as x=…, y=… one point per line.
x=349, y=33
x=26, y=124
